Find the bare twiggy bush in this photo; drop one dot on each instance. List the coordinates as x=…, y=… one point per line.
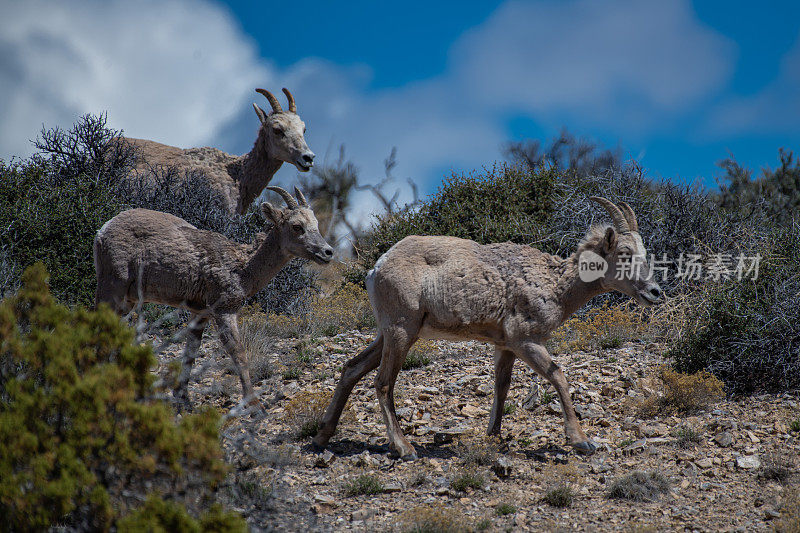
x=777, y=467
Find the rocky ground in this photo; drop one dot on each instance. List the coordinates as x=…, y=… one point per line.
x=281, y=483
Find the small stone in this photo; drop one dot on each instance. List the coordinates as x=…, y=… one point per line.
x=442, y=491
x=724, y=439
x=502, y=467
x=705, y=462
x=471, y=411
x=324, y=459
x=636, y=447
x=324, y=499
x=361, y=514
x=748, y=462
x=484, y=389
x=392, y=487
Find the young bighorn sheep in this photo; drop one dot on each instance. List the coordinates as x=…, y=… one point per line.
x=511, y=295
x=148, y=256
x=240, y=179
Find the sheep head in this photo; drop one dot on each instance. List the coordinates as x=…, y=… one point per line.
x=298, y=228
x=284, y=132
x=622, y=249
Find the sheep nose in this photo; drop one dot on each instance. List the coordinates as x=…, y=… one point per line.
x=328, y=252
x=308, y=157
x=656, y=292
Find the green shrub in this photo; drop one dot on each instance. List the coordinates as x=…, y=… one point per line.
x=80, y=431
x=745, y=332
x=505, y=203
x=505, y=509
x=159, y=516
x=51, y=207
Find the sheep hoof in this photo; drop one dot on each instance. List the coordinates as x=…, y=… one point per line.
x=409, y=457
x=586, y=447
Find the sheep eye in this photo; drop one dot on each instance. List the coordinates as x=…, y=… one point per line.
x=277, y=131
x=298, y=228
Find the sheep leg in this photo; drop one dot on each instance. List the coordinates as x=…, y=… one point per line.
x=229, y=336
x=503, y=364
x=396, y=343
x=354, y=369
x=537, y=357
x=194, y=337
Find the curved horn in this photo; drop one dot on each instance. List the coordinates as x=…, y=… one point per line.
x=299, y=194
x=276, y=106
x=616, y=213
x=291, y=202
x=630, y=216
x=292, y=105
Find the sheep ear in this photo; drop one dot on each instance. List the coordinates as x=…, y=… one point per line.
x=609, y=241
x=260, y=112
x=270, y=212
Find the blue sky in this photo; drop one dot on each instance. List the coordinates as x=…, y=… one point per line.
x=677, y=84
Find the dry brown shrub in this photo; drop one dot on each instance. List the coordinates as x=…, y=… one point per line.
x=435, y=518
x=689, y=392
x=606, y=326
x=682, y=393
x=345, y=309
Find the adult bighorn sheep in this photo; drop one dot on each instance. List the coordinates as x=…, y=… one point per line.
x=240, y=179
x=511, y=295
x=148, y=256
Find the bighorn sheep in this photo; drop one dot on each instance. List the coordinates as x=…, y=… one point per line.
x=240, y=179
x=149, y=256
x=511, y=295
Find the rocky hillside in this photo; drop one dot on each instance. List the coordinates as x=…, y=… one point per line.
x=728, y=466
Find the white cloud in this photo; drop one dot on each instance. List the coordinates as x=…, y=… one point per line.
x=182, y=72
x=774, y=109
x=609, y=60
x=171, y=71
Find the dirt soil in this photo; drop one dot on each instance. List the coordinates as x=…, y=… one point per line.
x=281, y=483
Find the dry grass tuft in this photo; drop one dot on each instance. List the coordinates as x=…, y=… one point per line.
x=345, y=309
x=304, y=411
x=363, y=485
x=468, y=478
x=562, y=480
x=421, y=354
x=789, y=521
x=639, y=486
x=436, y=518
x=479, y=451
